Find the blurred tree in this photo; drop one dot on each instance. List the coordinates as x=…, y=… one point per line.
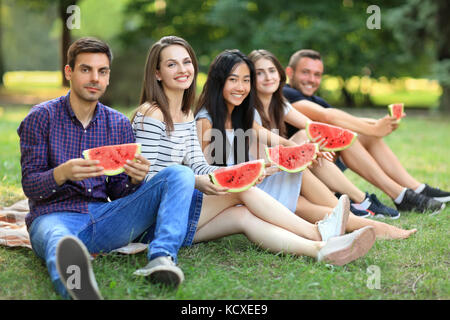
x=62, y=6
x=338, y=29
x=65, y=36
x=148, y=21
x=335, y=28
x=423, y=29
x=2, y=68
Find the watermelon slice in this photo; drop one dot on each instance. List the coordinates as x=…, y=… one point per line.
x=239, y=177
x=330, y=138
x=112, y=158
x=396, y=110
x=293, y=159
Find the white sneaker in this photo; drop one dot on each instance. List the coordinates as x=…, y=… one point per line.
x=162, y=270
x=344, y=249
x=334, y=224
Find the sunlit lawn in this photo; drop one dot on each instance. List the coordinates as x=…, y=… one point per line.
x=233, y=268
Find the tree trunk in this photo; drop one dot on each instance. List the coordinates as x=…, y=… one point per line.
x=2, y=68
x=443, y=51
x=65, y=37
x=349, y=100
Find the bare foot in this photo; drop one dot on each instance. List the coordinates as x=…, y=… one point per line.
x=395, y=233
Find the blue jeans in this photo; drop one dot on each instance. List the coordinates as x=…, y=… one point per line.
x=162, y=204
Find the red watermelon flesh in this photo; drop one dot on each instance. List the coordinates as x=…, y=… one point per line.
x=112, y=158
x=239, y=177
x=396, y=110
x=329, y=137
x=293, y=159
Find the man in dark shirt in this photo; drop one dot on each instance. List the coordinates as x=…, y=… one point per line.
x=74, y=208
x=369, y=156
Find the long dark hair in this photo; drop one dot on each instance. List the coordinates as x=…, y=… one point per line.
x=213, y=101
x=152, y=91
x=277, y=103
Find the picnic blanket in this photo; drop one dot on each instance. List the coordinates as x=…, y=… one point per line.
x=14, y=233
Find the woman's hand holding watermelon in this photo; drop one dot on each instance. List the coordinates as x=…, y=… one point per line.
x=269, y=170
x=203, y=183
x=137, y=169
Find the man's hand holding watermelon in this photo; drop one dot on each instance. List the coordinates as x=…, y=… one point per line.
x=80, y=169
x=137, y=169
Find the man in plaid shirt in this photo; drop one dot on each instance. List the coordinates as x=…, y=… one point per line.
x=74, y=208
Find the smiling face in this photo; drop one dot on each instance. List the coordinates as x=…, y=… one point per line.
x=267, y=77
x=89, y=77
x=307, y=75
x=237, y=85
x=176, y=70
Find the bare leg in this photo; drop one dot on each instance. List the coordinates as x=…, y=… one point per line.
x=388, y=161
x=299, y=137
x=315, y=191
x=336, y=181
x=261, y=205
x=314, y=213
x=331, y=175
x=310, y=211
x=358, y=159
x=238, y=220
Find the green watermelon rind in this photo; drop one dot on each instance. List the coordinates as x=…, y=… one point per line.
x=355, y=136
x=296, y=169
x=116, y=171
x=391, y=111
x=246, y=187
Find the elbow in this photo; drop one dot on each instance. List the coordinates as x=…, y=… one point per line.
x=326, y=117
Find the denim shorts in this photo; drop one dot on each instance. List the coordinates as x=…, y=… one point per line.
x=194, y=215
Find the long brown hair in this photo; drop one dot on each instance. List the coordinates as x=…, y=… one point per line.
x=152, y=92
x=277, y=103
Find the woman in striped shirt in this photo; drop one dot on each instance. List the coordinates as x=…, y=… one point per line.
x=165, y=126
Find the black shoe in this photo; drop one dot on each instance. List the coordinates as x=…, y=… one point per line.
x=413, y=201
x=380, y=210
x=436, y=194
x=359, y=212
x=75, y=270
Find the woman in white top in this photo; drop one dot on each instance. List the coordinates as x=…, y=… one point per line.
x=162, y=122
x=315, y=199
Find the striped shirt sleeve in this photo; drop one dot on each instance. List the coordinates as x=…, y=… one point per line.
x=195, y=158
x=181, y=146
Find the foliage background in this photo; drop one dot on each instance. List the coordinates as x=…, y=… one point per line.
x=412, y=40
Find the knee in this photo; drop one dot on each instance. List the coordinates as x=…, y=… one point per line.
x=243, y=218
x=45, y=234
x=180, y=174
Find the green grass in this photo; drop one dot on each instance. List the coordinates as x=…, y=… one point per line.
x=233, y=268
